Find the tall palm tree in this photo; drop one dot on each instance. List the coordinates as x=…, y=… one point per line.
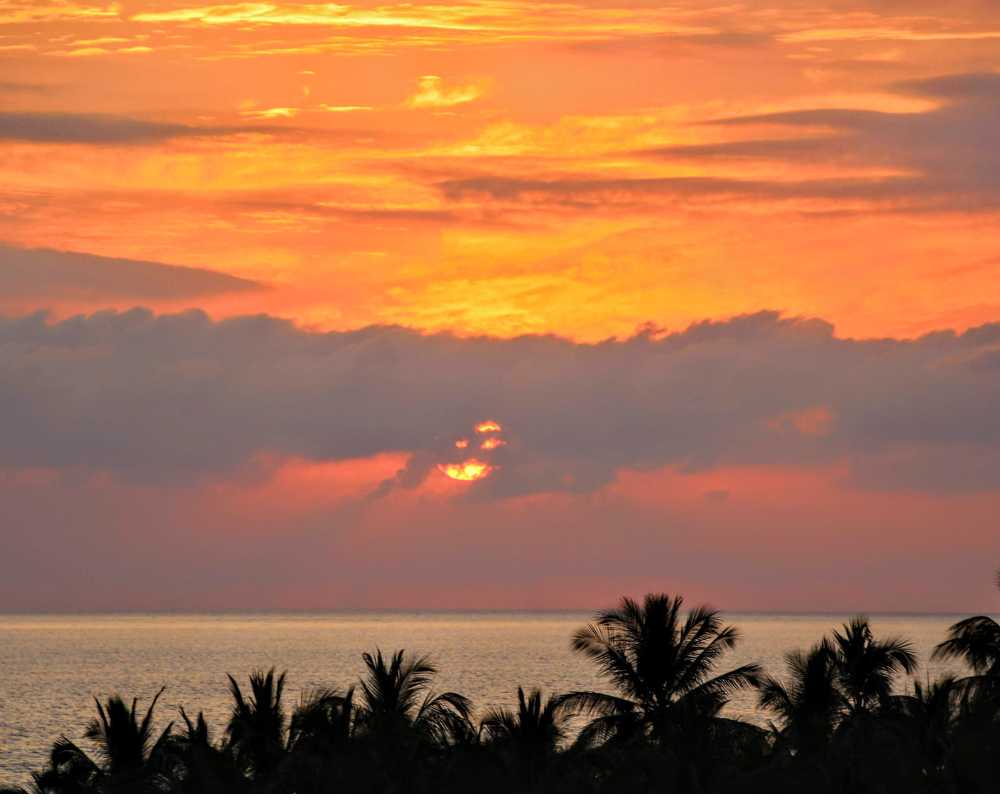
x=808, y=703
x=976, y=640
x=396, y=702
x=256, y=730
x=866, y=666
x=662, y=666
x=129, y=757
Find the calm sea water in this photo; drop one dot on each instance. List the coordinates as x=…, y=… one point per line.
x=51, y=666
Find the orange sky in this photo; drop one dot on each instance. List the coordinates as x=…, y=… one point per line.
x=582, y=170
x=338, y=154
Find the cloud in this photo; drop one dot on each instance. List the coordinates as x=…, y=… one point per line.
x=755, y=149
x=967, y=86
x=176, y=397
x=49, y=275
x=626, y=191
x=950, y=151
x=432, y=93
x=72, y=128
x=24, y=87
x=942, y=159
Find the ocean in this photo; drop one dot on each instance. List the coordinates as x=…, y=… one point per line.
x=51, y=666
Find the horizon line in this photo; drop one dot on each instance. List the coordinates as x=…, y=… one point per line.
x=477, y=610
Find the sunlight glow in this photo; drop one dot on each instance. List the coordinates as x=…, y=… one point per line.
x=489, y=426
x=471, y=470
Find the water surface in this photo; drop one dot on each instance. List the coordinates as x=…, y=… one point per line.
x=51, y=666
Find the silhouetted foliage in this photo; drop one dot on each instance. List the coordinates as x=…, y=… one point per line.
x=129, y=760
x=839, y=725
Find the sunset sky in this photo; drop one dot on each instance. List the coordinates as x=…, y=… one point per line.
x=724, y=277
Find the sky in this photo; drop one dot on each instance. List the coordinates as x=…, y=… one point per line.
x=499, y=304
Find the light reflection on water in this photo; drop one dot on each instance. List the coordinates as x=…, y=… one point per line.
x=51, y=666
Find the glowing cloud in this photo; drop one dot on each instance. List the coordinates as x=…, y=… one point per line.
x=431, y=93
x=489, y=426
x=492, y=443
x=461, y=444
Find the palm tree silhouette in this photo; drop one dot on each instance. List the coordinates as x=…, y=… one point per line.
x=129, y=758
x=323, y=720
x=396, y=702
x=929, y=718
x=866, y=667
x=195, y=765
x=256, y=730
x=976, y=640
x=808, y=703
x=525, y=739
x=536, y=726
x=661, y=664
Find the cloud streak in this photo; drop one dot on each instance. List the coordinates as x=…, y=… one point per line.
x=944, y=159
x=47, y=275
x=101, y=129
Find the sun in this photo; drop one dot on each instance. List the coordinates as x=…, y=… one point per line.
x=471, y=470
x=468, y=467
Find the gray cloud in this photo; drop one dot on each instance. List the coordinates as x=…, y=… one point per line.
x=70, y=128
x=779, y=149
x=949, y=155
x=53, y=275
x=583, y=192
x=171, y=398
x=24, y=87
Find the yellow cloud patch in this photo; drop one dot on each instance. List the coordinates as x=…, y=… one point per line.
x=432, y=93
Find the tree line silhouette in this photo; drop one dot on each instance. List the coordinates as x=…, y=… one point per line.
x=839, y=726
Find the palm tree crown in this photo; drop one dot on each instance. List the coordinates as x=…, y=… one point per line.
x=535, y=727
x=866, y=666
x=128, y=754
x=256, y=730
x=976, y=640
x=396, y=700
x=661, y=664
x=807, y=704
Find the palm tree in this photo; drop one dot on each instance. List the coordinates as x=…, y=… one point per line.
x=808, y=704
x=537, y=727
x=661, y=664
x=976, y=640
x=526, y=738
x=322, y=756
x=929, y=718
x=198, y=766
x=866, y=667
x=323, y=720
x=397, y=704
x=256, y=730
x=129, y=759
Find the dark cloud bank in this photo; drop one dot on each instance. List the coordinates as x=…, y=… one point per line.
x=174, y=398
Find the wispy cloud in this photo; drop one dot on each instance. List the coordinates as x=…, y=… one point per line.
x=432, y=92
x=50, y=275
x=81, y=128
